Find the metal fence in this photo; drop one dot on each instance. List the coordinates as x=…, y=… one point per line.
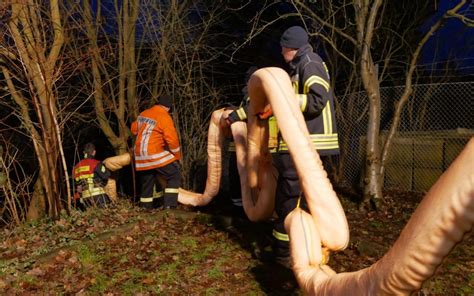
x=435, y=125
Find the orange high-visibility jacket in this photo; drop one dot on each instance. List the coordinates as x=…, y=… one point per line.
x=157, y=142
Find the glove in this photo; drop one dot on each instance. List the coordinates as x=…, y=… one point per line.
x=267, y=112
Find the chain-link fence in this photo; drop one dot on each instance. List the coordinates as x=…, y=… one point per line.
x=435, y=125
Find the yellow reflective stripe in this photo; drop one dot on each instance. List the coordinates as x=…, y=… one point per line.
x=171, y=190
x=319, y=138
x=303, y=100
x=92, y=192
x=280, y=236
x=272, y=132
x=82, y=169
x=231, y=147
x=317, y=147
x=241, y=113
x=85, y=176
x=150, y=199
x=312, y=80
x=320, y=142
x=327, y=119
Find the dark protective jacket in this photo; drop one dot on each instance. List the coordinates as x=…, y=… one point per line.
x=311, y=82
x=310, y=79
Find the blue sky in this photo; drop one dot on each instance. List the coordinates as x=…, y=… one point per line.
x=454, y=42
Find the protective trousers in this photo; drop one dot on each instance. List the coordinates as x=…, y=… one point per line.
x=288, y=195
x=148, y=179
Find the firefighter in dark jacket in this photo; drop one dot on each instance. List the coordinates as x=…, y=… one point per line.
x=240, y=114
x=310, y=79
x=90, y=176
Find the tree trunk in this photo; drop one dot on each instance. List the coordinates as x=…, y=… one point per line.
x=373, y=179
x=36, y=210
x=39, y=59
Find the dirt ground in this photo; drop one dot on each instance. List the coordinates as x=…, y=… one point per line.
x=207, y=251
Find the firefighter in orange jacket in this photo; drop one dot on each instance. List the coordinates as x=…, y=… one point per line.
x=90, y=176
x=157, y=153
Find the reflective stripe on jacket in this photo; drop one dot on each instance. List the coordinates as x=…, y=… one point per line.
x=157, y=142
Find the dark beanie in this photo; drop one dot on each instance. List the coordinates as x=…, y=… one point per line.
x=294, y=37
x=88, y=149
x=166, y=100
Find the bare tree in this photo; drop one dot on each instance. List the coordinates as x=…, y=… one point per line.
x=15, y=184
x=106, y=61
x=376, y=44
x=183, y=59
x=144, y=49
x=29, y=59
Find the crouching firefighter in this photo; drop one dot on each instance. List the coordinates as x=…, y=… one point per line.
x=90, y=176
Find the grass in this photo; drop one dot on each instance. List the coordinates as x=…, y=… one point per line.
x=215, y=273
x=189, y=243
x=88, y=257
x=99, y=284
x=173, y=257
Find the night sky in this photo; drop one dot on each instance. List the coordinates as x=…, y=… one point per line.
x=454, y=42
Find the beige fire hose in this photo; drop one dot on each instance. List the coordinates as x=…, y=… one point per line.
x=441, y=220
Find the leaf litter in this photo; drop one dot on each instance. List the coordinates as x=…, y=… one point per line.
x=128, y=251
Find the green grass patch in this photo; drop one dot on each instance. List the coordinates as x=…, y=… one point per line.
x=215, y=273
x=169, y=272
x=100, y=284
x=211, y=291
x=88, y=257
x=131, y=287
x=189, y=243
x=202, y=255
